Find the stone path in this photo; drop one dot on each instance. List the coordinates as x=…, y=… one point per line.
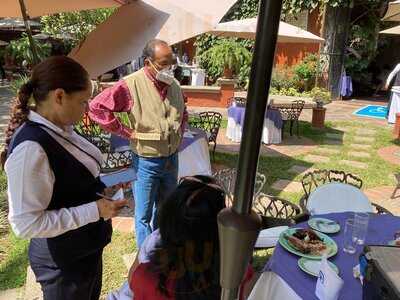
x=287, y=186
x=391, y=154
x=291, y=146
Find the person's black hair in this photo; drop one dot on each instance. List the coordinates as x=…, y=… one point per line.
x=189, y=252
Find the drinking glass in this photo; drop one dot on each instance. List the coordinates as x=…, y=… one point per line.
x=349, y=245
x=361, y=221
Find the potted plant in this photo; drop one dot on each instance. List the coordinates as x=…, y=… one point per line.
x=228, y=56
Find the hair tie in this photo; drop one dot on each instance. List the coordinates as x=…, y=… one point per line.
x=29, y=86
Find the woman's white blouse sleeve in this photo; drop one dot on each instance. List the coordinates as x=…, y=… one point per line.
x=30, y=188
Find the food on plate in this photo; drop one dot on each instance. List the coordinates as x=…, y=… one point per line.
x=306, y=241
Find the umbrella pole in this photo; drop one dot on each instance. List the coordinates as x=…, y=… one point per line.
x=238, y=226
x=29, y=32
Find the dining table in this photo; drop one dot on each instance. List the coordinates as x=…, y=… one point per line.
x=271, y=128
x=193, y=157
x=283, y=279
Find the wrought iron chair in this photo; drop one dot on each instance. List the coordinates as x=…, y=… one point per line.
x=240, y=101
x=275, y=207
x=292, y=114
x=113, y=160
x=380, y=210
x=210, y=122
x=227, y=177
x=316, y=178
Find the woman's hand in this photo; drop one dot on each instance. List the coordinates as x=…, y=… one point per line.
x=109, y=209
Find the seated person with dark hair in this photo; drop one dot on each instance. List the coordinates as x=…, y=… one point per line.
x=181, y=259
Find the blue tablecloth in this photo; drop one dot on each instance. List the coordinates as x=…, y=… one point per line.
x=381, y=230
x=346, y=86
x=237, y=113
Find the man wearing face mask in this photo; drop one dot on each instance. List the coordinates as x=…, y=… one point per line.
x=156, y=108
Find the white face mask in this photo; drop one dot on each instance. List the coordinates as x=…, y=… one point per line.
x=166, y=75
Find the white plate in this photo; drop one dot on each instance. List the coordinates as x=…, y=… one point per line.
x=312, y=266
x=324, y=225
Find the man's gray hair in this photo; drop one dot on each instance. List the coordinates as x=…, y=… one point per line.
x=149, y=49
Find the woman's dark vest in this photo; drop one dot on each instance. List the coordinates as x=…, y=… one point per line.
x=74, y=185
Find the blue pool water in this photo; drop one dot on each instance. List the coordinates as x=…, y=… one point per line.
x=372, y=111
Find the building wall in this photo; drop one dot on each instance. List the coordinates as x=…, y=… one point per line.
x=286, y=53
x=291, y=53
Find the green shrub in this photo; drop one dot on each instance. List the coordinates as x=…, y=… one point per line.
x=21, y=50
x=226, y=54
x=306, y=72
x=283, y=77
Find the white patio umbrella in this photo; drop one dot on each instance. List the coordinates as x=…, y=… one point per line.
x=37, y=8
x=246, y=29
x=393, y=12
x=3, y=43
x=123, y=35
x=394, y=30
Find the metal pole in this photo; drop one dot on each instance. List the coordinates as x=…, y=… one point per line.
x=29, y=32
x=257, y=98
x=238, y=226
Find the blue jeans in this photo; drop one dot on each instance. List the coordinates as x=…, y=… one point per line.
x=156, y=179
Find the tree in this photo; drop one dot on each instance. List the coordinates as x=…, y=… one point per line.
x=77, y=24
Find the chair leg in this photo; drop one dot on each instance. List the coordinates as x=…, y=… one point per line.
x=291, y=127
x=298, y=131
x=213, y=152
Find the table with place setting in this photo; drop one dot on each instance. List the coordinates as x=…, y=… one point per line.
x=272, y=124
x=193, y=157
x=287, y=274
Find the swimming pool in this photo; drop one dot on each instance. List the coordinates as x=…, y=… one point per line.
x=372, y=111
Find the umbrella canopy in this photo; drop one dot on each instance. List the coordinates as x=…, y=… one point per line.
x=393, y=12
x=393, y=30
x=123, y=35
x=246, y=29
x=3, y=43
x=36, y=8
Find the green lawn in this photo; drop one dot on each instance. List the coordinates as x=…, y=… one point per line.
x=377, y=173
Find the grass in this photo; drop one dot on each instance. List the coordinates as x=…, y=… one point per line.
x=14, y=262
x=114, y=269
x=377, y=173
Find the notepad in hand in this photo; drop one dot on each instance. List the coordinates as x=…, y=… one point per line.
x=119, y=195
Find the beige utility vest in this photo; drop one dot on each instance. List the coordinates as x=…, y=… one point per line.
x=156, y=123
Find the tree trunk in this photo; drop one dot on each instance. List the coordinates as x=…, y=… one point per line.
x=336, y=29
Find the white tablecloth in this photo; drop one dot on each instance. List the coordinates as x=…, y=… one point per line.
x=195, y=159
x=198, y=77
x=272, y=287
x=271, y=134
x=394, y=107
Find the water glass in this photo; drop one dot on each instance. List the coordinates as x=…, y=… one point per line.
x=349, y=245
x=360, y=227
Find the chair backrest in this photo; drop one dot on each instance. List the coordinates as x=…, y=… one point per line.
x=271, y=206
x=292, y=112
x=338, y=197
x=227, y=177
x=210, y=121
x=113, y=160
x=314, y=179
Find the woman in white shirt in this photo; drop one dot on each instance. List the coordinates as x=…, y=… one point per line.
x=53, y=182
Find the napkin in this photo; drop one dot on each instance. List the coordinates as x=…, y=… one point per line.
x=188, y=135
x=119, y=195
x=329, y=284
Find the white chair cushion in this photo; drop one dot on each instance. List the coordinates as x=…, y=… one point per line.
x=338, y=197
